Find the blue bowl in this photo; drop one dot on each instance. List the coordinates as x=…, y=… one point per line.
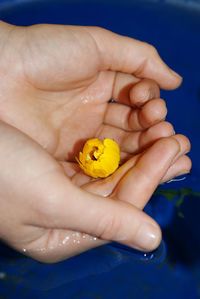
x=115, y=271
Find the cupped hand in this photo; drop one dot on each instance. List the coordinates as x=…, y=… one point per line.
x=56, y=83
x=51, y=216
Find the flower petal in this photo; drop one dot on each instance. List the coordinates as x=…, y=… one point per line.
x=99, y=158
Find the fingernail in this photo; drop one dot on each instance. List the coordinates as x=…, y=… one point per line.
x=148, y=237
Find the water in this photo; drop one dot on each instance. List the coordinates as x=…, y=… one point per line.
x=115, y=271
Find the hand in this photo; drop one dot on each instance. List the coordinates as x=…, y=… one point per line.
x=56, y=83
x=60, y=102
x=46, y=216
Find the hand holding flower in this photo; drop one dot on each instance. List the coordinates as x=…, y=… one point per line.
x=55, y=90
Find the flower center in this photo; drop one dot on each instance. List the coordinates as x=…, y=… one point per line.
x=93, y=152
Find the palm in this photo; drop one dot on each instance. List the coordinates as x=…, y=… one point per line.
x=73, y=116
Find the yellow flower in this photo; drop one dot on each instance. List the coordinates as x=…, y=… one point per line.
x=99, y=158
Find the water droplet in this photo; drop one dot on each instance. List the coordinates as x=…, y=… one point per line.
x=41, y=249
x=65, y=240
x=92, y=238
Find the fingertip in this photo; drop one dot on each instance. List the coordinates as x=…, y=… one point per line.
x=171, y=144
x=181, y=167
x=143, y=91
x=178, y=78
x=188, y=164
x=173, y=83
x=168, y=79
x=156, y=132
x=127, y=55
x=148, y=236
x=155, y=68
x=184, y=142
x=164, y=129
x=153, y=112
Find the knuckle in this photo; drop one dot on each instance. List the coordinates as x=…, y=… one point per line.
x=108, y=227
x=98, y=29
x=150, y=48
x=153, y=50
x=98, y=32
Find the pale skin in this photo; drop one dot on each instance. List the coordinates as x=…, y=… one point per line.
x=55, y=86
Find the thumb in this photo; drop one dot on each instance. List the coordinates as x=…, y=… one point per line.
x=124, y=54
x=105, y=218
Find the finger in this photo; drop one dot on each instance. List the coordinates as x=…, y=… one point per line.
x=181, y=167
x=153, y=166
x=74, y=172
x=148, y=172
x=80, y=178
x=124, y=54
x=138, y=141
x=106, y=187
x=126, y=118
x=61, y=244
x=144, y=91
x=70, y=168
x=181, y=164
x=122, y=86
x=135, y=142
x=184, y=144
x=132, y=91
x=78, y=210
